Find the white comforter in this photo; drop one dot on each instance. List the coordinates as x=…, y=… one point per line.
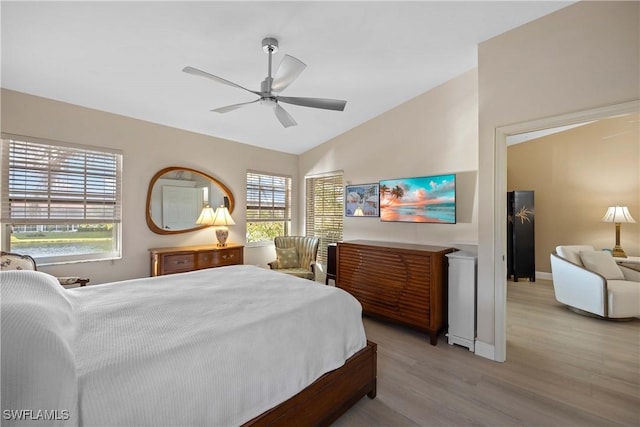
x=213, y=347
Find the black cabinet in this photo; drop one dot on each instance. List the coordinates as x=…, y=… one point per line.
x=521, y=258
x=331, y=263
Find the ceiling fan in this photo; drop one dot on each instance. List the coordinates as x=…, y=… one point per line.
x=289, y=70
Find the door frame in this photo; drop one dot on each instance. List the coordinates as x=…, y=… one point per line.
x=500, y=200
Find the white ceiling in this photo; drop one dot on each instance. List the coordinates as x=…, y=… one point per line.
x=126, y=58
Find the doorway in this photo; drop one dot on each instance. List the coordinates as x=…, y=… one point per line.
x=500, y=191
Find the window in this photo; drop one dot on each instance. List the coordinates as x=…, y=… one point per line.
x=268, y=206
x=60, y=203
x=324, y=210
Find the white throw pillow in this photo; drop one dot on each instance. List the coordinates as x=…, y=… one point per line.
x=601, y=262
x=38, y=365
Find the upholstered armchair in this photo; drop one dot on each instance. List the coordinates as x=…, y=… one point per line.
x=590, y=282
x=296, y=255
x=12, y=261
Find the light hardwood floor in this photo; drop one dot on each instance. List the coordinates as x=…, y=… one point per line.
x=562, y=369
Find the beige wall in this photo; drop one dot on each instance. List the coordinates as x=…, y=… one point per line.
x=433, y=133
x=581, y=57
x=576, y=175
x=147, y=148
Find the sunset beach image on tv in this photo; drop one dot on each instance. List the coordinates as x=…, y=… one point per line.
x=429, y=199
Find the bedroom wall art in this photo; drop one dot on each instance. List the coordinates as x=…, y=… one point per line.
x=427, y=199
x=362, y=200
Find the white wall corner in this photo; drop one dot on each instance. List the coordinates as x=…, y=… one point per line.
x=485, y=350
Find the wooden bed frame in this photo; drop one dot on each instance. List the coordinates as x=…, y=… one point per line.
x=329, y=396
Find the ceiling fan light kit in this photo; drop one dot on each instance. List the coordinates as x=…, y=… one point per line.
x=287, y=72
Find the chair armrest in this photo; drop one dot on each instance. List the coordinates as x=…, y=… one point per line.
x=273, y=265
x=578, y=287
x=312, y=265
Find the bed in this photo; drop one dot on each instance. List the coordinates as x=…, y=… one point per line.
x=237, y=345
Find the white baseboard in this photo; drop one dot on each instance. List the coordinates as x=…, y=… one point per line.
x=543, y=275
x=485, y=350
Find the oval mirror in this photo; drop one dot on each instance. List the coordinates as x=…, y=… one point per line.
x=177, y=195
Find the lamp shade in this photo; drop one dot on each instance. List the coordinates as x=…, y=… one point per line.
x=206, y=216
x=222, y=217
x=617, y=214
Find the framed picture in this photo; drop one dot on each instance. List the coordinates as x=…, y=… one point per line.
x=429, y=199
x=362, y=200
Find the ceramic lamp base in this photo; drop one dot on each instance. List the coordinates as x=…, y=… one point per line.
x=222, y=234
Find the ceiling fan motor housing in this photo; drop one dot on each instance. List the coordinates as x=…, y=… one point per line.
x=269, y=44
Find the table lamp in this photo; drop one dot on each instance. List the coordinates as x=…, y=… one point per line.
x=221, y=220
x=618, y=215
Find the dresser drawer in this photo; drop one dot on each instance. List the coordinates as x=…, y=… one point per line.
x=177, y=263
x=228, y=257
x=190, y=258
x=207, y=259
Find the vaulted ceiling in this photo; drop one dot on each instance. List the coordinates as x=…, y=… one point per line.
x=127, y=58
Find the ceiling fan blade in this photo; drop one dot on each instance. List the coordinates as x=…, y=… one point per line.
x=284, y=117
x=326, y=104
x=196, y=72
x=233, y=107
x=288, y=70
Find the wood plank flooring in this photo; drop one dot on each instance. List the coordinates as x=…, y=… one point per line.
x=562, y=369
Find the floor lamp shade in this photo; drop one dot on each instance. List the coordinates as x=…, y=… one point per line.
x=618, y=215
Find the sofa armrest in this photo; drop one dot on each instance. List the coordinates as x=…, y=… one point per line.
x=630, y=274
x=578, y=287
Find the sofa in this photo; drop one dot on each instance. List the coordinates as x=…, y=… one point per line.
x=590, y=282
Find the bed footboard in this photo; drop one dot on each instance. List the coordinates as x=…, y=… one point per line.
x=330, y=396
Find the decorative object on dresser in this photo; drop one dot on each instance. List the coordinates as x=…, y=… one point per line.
x=12, y=261
x=521, y=256
x=189, y=258
x=401, y=282
x=618, y=215
x=219, y=219
x=296, y=255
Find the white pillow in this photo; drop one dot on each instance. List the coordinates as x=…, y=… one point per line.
x=601, y=262
x=38, y=331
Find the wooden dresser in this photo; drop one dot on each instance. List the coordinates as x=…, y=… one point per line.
x=189, y=258
x=401, y=282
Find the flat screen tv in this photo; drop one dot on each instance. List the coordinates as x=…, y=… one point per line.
x=429, y=199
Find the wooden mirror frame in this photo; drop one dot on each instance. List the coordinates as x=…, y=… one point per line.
x=158, y=230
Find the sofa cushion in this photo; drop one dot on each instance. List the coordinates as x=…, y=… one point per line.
x=623, y=298
x=287, y=258
x=572, y=252
x=601, y=262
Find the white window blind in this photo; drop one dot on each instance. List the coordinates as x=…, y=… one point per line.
x=268, y=206
x=324, y=210
x=52, y=184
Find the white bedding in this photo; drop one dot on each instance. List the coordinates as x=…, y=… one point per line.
x=213, y=347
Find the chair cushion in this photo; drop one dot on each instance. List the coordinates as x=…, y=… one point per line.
x=601, y=262
x=287, y=258
x=572, y=252
x=624, y=298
